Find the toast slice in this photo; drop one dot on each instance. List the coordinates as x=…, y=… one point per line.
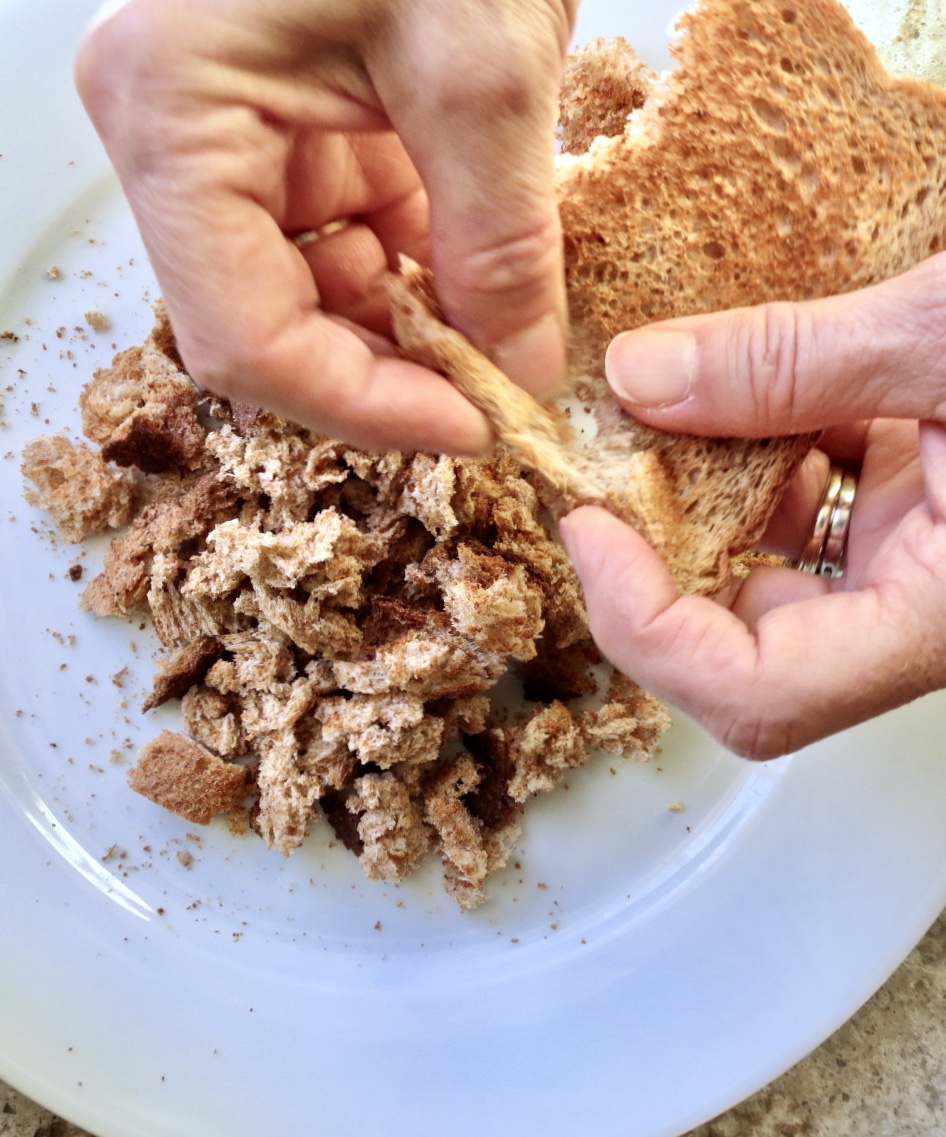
x=777, y=161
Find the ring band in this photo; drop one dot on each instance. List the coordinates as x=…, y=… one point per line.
x=826, y=548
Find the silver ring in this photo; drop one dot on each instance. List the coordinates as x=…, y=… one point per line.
x=825, y=550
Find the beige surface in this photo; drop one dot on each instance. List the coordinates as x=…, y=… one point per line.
x=882, y=1075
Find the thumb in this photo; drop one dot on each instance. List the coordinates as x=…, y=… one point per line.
x=786, y=368
x=473, y=91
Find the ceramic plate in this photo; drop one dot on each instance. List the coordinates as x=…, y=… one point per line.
x=637, y=970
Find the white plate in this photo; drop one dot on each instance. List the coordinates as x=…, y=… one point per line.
x=638, y=971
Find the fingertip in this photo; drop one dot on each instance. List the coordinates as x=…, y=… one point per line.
x=652, y=368
x=403, y=406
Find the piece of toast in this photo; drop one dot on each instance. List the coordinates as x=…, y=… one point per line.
x=778, y=161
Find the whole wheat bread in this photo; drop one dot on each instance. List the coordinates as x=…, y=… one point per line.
x=777, y=161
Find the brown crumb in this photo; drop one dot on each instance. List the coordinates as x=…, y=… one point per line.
x=98, y=321
x=184, y=777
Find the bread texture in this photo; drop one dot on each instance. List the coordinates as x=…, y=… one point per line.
x=392, y=643
x=179, y=774
x=777, y=161
x=82, y=492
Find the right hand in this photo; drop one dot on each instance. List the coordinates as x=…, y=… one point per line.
x=390, y=126
x=790, y=657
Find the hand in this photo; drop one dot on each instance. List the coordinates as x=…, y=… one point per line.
x=789, y=657
x=383, y=126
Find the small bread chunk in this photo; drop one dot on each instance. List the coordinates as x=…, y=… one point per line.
x=143, y=409
x=602, y=84
x=390, y=827
x=179, y=774
x=82, y=493
x=163, y=526
x=185, y=668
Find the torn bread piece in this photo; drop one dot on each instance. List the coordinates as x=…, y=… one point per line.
x=179, y=774
x=83, y=493
x=778, y=161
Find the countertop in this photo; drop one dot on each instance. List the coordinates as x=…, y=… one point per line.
x=883, y=1074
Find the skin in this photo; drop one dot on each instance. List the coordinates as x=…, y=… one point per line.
x=235, y=126
x=788, y=658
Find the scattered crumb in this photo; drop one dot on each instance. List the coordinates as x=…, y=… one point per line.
x=98, y=321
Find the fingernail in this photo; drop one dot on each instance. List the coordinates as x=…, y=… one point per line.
x=534, y=358
x=651, y=367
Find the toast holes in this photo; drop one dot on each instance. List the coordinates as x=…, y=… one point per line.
x=769, y=115
x=922, y=195
x=789, y=15
x=859, y=166
x=786, y=151
x=715, y=250
x=811, y=177
x=787, y=66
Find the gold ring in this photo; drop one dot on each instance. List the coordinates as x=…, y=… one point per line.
x=826, y=548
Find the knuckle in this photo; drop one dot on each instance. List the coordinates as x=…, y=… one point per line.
x=771, y=346
x=512, y=69
x=756, y=737
x=519, y=262
x=232, y=372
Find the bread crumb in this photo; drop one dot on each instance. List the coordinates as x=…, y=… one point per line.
x=181, y=775
x=97, y=320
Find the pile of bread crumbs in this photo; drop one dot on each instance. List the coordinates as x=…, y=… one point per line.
x=391, y=642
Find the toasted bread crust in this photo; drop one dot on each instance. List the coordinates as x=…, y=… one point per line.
x=184, y=777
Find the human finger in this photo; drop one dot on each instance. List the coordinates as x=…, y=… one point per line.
x=254, y=330
x=785, y=368
x=791, y=522
x=349, y=268
x=782, y=680
x=481, y=137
